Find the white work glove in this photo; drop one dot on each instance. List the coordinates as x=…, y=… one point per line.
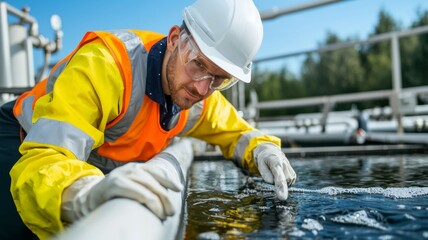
x=147, y=183
x=274, y=168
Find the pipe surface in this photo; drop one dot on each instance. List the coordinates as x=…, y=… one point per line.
x=127, y=219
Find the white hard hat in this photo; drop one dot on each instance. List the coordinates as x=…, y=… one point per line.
x=228, y=32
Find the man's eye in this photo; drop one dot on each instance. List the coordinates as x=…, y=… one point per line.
x=219, y=79
x=199, y=64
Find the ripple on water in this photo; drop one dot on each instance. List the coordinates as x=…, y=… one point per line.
x=360, y=218
x=312, y=225
x=360, y=198
x=409, y=192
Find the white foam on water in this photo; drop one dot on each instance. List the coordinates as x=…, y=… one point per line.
x=359, y=218
x=312, y=225
x=409, y=192
x=284, y=207
x=408, y=216
x=214, y=210
x=297, y=232
x=208, y=236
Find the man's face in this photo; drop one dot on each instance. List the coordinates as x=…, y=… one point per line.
x=184, y=91
x=189, y=76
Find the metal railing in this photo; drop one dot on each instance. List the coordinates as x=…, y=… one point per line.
x=394, y=95
x=16, y=48
x=276, y=12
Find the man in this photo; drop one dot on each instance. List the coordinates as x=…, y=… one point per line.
x=121, y=97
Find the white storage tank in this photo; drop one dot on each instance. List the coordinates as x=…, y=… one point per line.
x=21, y=57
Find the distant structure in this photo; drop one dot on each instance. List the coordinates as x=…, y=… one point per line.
x=19, y=34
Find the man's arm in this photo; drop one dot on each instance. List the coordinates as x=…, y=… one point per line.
x=220, y=124
x=85, y=98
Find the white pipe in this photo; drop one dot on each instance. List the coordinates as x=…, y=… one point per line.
x=276, y=12
x=399, y=138
x=127, y=219
x=5, y=64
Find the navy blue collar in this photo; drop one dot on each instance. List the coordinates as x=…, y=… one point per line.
x=154, y=69
x=154, y=84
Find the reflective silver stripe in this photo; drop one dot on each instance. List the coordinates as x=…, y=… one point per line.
x=243, y=143
x=195, y=113
x=138, y=58
x=103, y=163
x=53, y=76
x=25, y=118
x=61, y=134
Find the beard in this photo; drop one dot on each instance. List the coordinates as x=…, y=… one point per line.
x=177, y=90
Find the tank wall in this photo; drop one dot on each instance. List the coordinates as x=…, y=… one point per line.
x=5, y=74
x=20, y=57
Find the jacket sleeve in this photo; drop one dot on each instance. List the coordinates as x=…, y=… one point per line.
x=220, y=124
x=86, y=96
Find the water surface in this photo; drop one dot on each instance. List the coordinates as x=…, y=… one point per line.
x=361, y=197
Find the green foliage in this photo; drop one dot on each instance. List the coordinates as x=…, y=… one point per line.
x=333, y=72
x=348, y=70
x=414, y=55
x=277, y=86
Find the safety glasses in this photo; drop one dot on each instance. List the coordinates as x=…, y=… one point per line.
x=193, y=62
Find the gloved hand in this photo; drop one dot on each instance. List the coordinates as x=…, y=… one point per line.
x=147, y=183
x=274, y=168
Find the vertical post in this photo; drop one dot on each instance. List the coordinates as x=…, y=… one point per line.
x=5, y=65
x=328, y=106
x=241, y=96
x=30, y=63
x=396, y=81
x=234, y=91
x=20, y=56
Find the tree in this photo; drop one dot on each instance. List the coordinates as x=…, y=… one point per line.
x=414, y=54
x=349, y=70
x=333, y=72
x=376, y=59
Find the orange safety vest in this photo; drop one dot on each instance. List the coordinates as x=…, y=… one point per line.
x=136, y=134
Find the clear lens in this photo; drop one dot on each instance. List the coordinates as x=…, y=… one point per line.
x=190, y=55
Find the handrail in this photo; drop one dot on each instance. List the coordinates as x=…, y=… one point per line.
x=339, y=98
x=336, y=46
x=276, y=12
x=393, y=95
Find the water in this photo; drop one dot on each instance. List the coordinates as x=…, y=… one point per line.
x=364, y=197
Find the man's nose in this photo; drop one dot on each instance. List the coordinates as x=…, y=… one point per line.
x=203, y=86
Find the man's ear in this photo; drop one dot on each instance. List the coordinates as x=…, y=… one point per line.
x=172, y=39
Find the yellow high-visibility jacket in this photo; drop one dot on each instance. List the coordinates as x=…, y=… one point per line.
x=92, y=113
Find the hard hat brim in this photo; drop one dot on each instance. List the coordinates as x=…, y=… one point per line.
x=217, y=58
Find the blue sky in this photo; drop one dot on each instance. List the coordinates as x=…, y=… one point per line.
x=285, y=34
